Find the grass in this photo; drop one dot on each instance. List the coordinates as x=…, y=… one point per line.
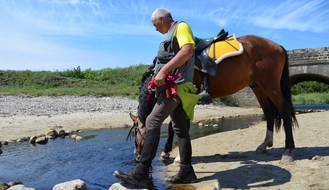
x=117, y=82
x=105, y=82
x=311, y=98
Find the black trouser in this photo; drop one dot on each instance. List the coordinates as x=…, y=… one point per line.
x=171, y=133
x=163, y=108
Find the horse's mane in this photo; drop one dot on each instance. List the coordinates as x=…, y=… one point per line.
x=146, y=98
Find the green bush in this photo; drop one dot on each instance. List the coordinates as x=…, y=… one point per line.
x=105, y=82
x=309, y=87
x=118, y=82
x=74, y=73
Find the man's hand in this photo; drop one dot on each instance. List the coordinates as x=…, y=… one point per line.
x=159, y=79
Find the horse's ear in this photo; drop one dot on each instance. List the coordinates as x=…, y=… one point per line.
x=132, y=116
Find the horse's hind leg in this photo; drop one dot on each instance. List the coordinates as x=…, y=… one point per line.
x=270, y=112
x=285, y=112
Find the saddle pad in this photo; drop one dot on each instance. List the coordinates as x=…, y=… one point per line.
x=224, y=49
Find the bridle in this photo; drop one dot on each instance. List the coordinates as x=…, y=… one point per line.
x=135, y=127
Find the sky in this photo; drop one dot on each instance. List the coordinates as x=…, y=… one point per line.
x=57, y=35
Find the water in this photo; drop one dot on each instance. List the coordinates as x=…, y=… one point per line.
x=92, y=160
x=311, y=106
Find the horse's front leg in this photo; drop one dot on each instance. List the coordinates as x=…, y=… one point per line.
x=168, y=146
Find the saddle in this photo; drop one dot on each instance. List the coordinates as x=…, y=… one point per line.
x=209, y=52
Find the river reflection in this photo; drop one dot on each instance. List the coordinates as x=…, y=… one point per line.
x=93, y=159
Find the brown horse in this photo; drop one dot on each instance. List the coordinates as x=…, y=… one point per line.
x=263, y=66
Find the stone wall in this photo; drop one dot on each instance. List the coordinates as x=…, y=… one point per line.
x=308, y=56
x=246, y=98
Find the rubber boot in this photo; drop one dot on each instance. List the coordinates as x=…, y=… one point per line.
x=185, y=175
x=138, y=177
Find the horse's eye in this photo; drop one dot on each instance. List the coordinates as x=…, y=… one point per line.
x=134, y=131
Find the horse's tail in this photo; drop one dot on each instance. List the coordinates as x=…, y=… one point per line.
x=286, y=90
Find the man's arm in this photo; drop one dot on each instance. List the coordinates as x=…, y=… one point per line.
x=185, y=53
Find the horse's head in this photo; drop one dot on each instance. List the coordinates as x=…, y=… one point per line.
x=145, y=106
x=138, y=130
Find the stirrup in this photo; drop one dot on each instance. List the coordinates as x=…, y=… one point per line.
x=205, y=98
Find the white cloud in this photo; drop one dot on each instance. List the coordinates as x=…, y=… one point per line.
x=27, y=52
x=295, y=15
x=67, y=33
x=48, y=34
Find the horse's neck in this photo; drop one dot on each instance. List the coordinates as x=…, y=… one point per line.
x=146, y=100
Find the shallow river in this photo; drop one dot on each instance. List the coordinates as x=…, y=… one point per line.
x=93, y=159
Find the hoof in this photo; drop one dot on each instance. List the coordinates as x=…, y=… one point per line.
x=287, y=157
x=261, y=150
x=164, y=155
x=177, y=160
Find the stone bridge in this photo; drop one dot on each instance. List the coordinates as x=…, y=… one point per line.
x=311, y=64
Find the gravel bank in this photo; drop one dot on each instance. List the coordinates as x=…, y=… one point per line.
x=52, y=105
x=24, y=116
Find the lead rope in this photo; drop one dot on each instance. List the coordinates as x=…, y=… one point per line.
x=171, y=86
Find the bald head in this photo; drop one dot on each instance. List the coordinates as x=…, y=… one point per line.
x=161, y=12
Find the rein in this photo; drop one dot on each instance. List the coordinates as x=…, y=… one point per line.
x=135, y=125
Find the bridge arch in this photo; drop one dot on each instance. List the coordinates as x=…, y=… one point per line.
x=298, y=78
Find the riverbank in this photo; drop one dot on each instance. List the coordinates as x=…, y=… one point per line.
x=229, y=158
x=27, y=116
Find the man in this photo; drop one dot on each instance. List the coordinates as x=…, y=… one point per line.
x=176, y=59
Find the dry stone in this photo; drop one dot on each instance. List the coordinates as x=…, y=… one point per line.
x=76, y=184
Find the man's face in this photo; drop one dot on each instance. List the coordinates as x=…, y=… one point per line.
x=159, y=25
